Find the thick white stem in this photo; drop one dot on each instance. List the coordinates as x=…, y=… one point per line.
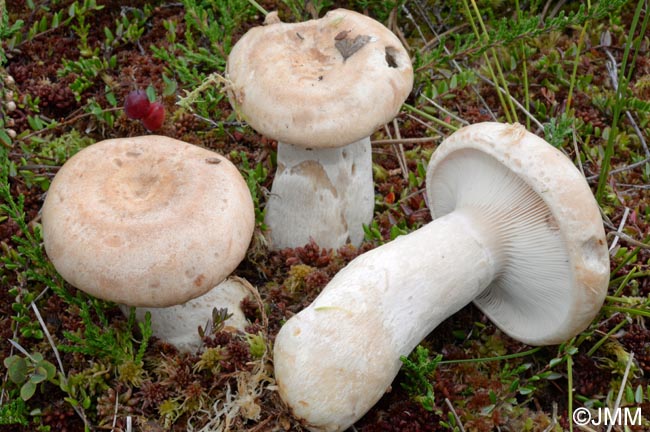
x=336, y=358
x=178, y=325
x=323, y=194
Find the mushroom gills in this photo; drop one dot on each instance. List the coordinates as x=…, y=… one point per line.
x=532, y=261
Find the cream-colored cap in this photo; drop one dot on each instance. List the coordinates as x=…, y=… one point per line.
x=147, y=221
x=546, y=225
x=320, y=83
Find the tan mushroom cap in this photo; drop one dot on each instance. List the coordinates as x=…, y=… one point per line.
x=553, y=250
x=147, y=221
x=291, y=83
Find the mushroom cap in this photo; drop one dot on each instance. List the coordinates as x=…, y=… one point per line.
x=547, y=232
x=147, y=221
x=290, y=82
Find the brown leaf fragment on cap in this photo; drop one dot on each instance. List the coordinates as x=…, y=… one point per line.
x=342, y=35
x=347, y=47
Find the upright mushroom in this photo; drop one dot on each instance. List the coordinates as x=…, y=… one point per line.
x=147, y=221
x=320, y=88
x=516, y=230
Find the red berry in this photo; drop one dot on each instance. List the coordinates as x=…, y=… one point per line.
x=155, y=117
x=137, y=105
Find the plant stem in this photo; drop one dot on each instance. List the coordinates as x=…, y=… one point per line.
x=618, y=106
x=604, y=338
x=257, y=6
x=430, y=117
x=574, y=72
x=497, y=358
x=630, y=311
x=569, y=369
x=524, y=66
x=502, y=100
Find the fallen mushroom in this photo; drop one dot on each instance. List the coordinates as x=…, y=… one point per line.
x=320, y=88
x=516, y=230
x=147, y=221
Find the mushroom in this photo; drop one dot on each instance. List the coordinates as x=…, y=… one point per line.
x=516, y=230
x=320, y=88
x=147, y=221
x=178, y=325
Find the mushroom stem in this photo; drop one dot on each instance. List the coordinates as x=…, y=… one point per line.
x=178, y=325
x=324, y=194
x=336, y=358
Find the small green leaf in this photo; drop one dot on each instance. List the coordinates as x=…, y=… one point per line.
x=151, y=93
x=526, y=390
x=629, y=394
x=638, y=394
x=27, y=390
x=551, y=375
x=16, y=369
x=72, y=401
x=50, y=370
x=487, y=410
x=38, y=376
x=5, y=138
x=170, y=86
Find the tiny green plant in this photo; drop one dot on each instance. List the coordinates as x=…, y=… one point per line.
x=7, y=30
x=28, y=372
x=206, y=44
x=216, y=323
x=418, y=368
x=103, y=340
x=255, y=177
x=14, y=412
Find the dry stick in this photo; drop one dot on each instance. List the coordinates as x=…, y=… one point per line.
x=422, y=10
x=435, y=40
x=409, y=16
x=612, y=69
x=550, y=427
x=394, y=27
x=453, y=62
x=117, y=404
x=404, y=140
x=445, y=111
x=425, y=124
x=633, y=186
x=644, y=144
x=515, y=101
x=399, y=151
x=623, y=169
x=453, y=412
x=626, y=238
x=77, y=409
x=66, y=122
x=620, y=228
x=617, y=404
x=396, y=153
x=577, y=151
